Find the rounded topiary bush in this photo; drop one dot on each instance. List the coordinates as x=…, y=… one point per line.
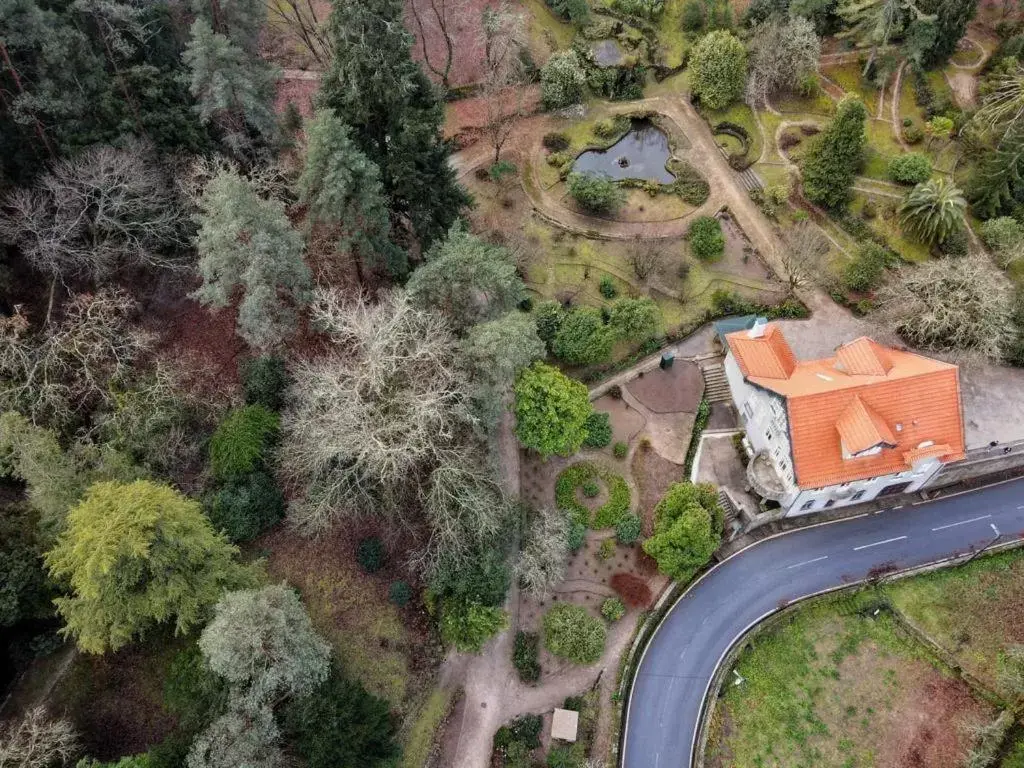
x=591, y=489
x=572, y=633
x=620, y=450
x=247, y=505
x=399, y=593
x=605, y=516
x=613, y=609
x=627, y=530
x=706, y=238
x=595, y=193
x=577, y=535
x=910, y=168
x=370, y=554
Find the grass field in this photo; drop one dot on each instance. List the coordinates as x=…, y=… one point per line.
x=841, y=683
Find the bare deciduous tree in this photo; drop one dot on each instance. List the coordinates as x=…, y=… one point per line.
x=780, y=55
x=805, y=247
x=38, y=742
x=961, y=305
x=366, y=419
x=301, y=19
x=69, y=367
x=442, y=16
x=504, y=38
x=542, y=560
x=95, y=213
x=647, y=257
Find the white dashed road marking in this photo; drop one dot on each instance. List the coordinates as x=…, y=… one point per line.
x=963, y=522
x=877, y=543
x=807, y=562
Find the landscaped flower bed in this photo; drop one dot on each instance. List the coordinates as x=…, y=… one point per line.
x=578, y=475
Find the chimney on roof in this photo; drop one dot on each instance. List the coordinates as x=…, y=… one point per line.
x=757, y=329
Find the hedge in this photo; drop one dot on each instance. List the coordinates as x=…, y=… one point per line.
x=605, y=516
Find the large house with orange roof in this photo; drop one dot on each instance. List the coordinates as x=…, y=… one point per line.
x=869, y=421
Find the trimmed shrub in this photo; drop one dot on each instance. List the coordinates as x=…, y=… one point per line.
x=607, y=287
x=607, y=550
x=245, y=506
x=706, y=238
x=399, y=593
x=370, y=554
x=583, y=338
x=956, y=244
x=631, y=588
x=555, y=142
x=240, y=443
x=910, y=168
x=621, y=450
x=599, y=430
x=591, y=489
x=572, y=633
x=574, y=476
x=687, y=530
x=264, y=381
x=467, y=626
x=525, y=653
x=548, y=315
x=577, y=535
x=1002, y=234
x=913, y=134
x=627, y=530
x=613, y=609
x=562, y=80
x=865, y=271
x=595, y=193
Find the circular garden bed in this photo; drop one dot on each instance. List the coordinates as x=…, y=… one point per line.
x=582, y=474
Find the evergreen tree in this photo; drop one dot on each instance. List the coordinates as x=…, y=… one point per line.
x=246, y=241
x=835, y=155
x=394, y=112
x=950, y=24
x=998, y=185
x=342, y=188
x=135, y=555
x=234, y=89
x=467, y=279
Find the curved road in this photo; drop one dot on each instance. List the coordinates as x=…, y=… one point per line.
x=681, y=659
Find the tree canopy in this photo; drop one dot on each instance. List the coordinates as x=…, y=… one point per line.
x=394, y=113
x=835, y=156
x=718, y=69
x=135, y=555
x=551, y=411
x=687, y=529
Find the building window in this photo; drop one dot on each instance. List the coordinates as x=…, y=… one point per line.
x=858, y=495
x=768, y=435
x=829, y=503
x=807, y=505
x=748, y=409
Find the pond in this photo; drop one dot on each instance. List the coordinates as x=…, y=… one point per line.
x=640, y=154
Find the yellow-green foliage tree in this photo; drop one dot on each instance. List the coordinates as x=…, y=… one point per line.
x=551, y=411
x=135, y=555
x=718, y=69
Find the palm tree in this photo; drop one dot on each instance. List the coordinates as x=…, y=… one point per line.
x=933, y=210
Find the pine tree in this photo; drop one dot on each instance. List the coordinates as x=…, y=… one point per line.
x=234, y=89
x=246, y=241
x=951, y=19
x=394, y=113
x=835, y=156
x=342, y=188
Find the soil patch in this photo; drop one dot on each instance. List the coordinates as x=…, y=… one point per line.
x=671, y=390
x=653, y=475
x=626, y=421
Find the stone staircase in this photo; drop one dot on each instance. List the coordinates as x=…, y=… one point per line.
x=733, y=523
x=750, y=180
x=716, y=386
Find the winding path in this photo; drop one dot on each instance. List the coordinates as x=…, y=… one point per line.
x=677, y=669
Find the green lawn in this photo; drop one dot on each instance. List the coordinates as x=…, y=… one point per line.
x=741, y=115
x=829, y=688
x=847, y=76
x=974, y=611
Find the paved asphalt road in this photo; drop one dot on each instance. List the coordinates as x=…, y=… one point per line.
x=681, y=659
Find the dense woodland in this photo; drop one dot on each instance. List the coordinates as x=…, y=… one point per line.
x=360, y=349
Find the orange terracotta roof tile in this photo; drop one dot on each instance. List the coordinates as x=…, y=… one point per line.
x=767, y=355
x=860, y=428
x=864, y=357
x=905, y=400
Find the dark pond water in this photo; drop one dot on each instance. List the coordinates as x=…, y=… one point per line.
x=607, y=53
x=640, y=154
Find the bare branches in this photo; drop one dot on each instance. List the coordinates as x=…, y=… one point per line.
x=504, y=37
x=961, y=305
x=647, y=257
x=38, y=742
x=366, y=419
x=805, y=247
x=96, y=213
x=300, y=17
x=65, y=370
x=542, y=561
